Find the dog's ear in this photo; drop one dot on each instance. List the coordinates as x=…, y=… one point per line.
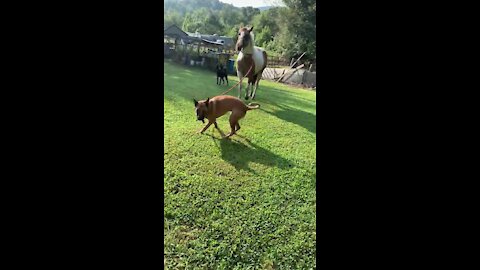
x=206, y=102
x=195, y=102
x=251, y=28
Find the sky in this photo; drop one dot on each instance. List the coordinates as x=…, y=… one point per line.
x=251, y=3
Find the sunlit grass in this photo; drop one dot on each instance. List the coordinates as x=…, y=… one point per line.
x=244, y=202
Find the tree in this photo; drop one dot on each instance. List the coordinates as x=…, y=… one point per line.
x=264, y=37
x=248, y=13
x=266, y=24
x=173, y=18
x=212, y=24
x=299, y=26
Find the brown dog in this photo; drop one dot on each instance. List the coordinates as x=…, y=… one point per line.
x=220, y=105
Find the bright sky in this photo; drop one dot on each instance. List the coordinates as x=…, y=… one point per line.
x=253, y=3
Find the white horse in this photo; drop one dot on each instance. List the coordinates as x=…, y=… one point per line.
x=249, y=58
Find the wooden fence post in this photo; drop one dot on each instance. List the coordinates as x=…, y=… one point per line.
x=291, y=66
x=304, y=75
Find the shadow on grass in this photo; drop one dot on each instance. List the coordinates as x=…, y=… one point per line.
x=298, y=117
x=240, y=155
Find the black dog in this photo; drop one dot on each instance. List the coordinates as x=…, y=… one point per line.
x=221, y=74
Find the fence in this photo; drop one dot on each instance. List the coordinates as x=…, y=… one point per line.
x=291, y=76
x=276, y=66
x=278, y=62
x=191, y=57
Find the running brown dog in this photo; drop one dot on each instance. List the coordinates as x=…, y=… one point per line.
x=213, y=108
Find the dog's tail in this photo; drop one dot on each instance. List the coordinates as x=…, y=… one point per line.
x=252, y=106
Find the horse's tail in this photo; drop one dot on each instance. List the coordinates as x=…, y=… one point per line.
x=252, y=106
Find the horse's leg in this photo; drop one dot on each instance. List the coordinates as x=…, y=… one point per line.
x=256, y=84
x=254, y=79
x=249, y=85
x=254, y=91
x=240, y=84
x=260, y=74
x=251, y=88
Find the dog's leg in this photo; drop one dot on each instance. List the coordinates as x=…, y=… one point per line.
x=205, y=128
x=232, y=132
x=233, y=122
x=234, y=118
x=219, y=130
x=226, y=78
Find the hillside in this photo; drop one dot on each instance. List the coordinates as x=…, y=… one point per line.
x=184, y=6
x=265, y=8
x=286, y=30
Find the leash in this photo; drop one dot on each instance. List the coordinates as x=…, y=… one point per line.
x=238, y=82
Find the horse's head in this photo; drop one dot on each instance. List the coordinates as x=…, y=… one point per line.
x=244, y=38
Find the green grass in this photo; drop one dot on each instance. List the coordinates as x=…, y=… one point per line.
x=244, y=203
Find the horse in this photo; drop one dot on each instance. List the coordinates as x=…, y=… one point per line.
x=249, y=58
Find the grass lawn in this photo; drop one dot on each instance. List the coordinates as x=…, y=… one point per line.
x=244, y=203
